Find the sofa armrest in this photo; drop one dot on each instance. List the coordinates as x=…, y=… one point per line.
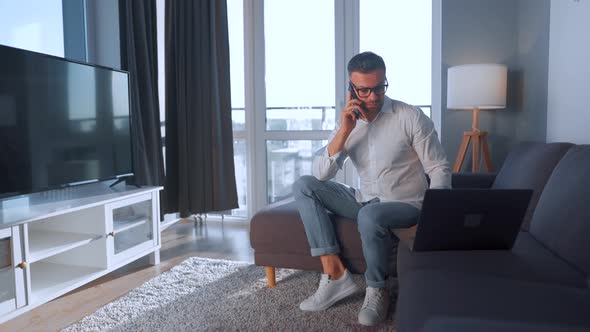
x=473, y=180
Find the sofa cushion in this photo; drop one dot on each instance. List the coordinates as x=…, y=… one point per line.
x=528, y=166
x=453, y=301
x=528, y=260
x=562, y=218
x=277, y=235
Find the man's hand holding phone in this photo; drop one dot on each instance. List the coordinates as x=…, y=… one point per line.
x=353, y=110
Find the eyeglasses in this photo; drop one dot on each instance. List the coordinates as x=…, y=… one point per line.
x=365, y=92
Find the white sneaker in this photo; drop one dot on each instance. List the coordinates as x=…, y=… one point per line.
x=374, y=309
x=329, y=292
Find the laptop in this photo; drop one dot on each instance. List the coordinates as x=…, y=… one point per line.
x=470, y=219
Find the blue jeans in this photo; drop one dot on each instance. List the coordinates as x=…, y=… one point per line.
x=375, y=221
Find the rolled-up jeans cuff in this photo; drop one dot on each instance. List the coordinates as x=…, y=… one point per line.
x=376, y=284
x=325, y=251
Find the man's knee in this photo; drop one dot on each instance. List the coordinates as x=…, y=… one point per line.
x=379, y=218
x=368, y=220
x=304, y=185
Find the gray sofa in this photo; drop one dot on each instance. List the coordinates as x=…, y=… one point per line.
x=542, y=284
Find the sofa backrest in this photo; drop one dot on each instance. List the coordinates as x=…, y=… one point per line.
x=561, y=220
x=528, y=166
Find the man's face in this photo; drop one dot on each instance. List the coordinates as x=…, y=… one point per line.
x=373, y=102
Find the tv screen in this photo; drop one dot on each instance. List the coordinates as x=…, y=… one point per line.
x=61, y=122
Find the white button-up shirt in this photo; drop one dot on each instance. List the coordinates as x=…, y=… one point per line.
x=391, y=154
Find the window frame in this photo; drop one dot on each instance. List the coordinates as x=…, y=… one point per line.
x=255, y=132
x=347, y=34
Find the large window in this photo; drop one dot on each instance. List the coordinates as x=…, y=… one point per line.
x=288, y=71
x=401, y=32
x=286, y=162
x=299, y=81
x=241, y=165
x=235, y=18
x=300, y=66
x=33, y=25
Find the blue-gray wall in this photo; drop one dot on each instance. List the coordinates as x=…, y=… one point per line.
x=514, y=33
x=103, y=32
x=532, y=69
x=74, y=26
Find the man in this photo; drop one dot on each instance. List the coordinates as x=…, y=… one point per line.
x=392, y=145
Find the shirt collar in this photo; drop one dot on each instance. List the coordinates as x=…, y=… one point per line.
x=387, y=106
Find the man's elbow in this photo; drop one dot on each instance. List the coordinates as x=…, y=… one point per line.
x=321, y=176
x=440, y=177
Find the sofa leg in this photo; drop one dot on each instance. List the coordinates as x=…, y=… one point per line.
x=270, y=276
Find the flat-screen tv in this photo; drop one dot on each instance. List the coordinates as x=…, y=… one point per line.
x=61, y=122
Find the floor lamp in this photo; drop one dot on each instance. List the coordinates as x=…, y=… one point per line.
x=476, y=87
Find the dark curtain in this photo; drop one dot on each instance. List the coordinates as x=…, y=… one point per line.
x=139, y=56
x=199, y=144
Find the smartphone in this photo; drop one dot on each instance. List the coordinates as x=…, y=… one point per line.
x=356, y=112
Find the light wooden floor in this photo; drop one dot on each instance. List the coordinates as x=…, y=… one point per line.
x=213, y=239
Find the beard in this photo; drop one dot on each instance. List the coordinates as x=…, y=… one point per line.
x=373, y=107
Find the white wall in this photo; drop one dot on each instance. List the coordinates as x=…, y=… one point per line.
x=35, y=25
x=568, y=100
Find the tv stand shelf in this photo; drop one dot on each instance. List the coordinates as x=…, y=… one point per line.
x=47, y=243
x=120, y=226
x=50, y=278
x=54, y=242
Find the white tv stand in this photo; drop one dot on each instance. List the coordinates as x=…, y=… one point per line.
x=54, y=242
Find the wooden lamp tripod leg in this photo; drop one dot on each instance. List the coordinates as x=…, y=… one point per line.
x=475, y=161
x=480, y=143
x=486, y=153
x=462, y=152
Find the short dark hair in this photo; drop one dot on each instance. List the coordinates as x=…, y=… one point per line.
x=365, y=62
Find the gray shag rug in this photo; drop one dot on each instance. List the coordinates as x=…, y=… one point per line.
x=217, y=295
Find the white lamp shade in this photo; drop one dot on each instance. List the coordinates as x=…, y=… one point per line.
x=478, y=85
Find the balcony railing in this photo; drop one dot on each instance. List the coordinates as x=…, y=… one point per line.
x=276, y=115
x=289, y=161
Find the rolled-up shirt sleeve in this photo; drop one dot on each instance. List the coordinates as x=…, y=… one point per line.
x=431, y=153
x=325, y=167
